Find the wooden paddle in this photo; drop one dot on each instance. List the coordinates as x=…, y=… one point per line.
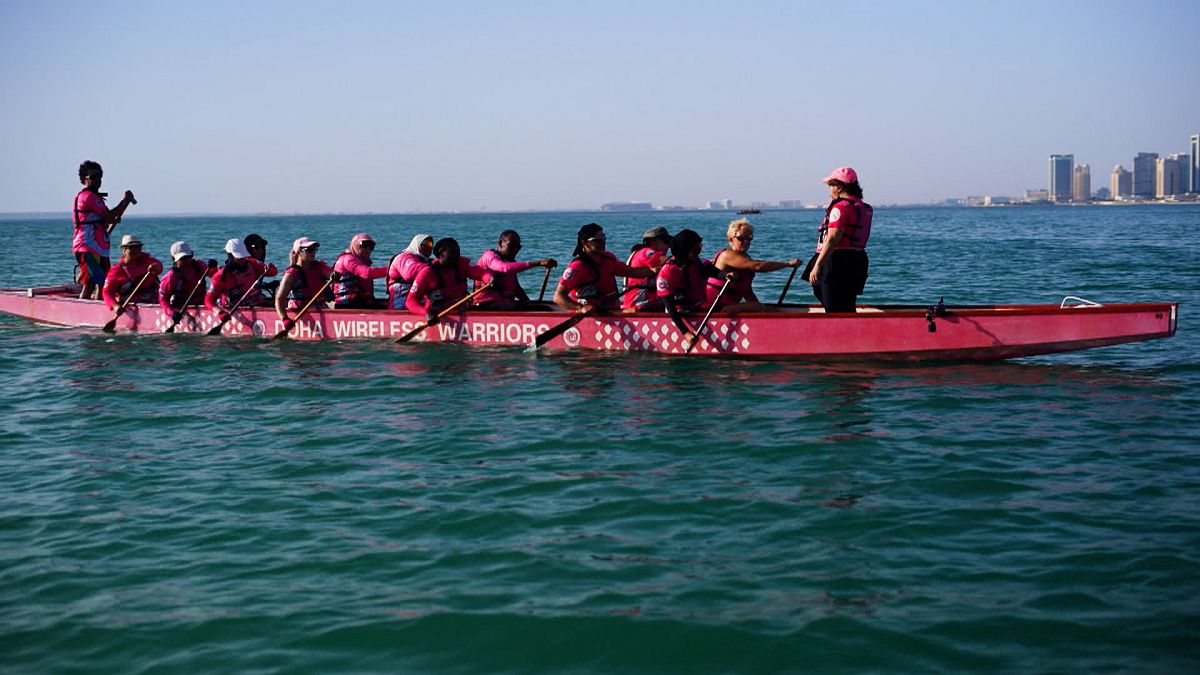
x=700, y=328
x=287, y=327
x=422, y=326
x=787, y=285
x=179, y=315
x=111, y=326
x=228, y=314
x=553, y=332
x=546, y=280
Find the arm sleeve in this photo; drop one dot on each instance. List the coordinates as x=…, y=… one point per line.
x=164, y=292
x=111, y=283
x=415, y=302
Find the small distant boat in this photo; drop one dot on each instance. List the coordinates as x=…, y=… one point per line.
x=792, y=332
x=749, y=212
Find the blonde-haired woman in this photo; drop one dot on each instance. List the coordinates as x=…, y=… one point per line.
x=740, y=297
x=304, y=278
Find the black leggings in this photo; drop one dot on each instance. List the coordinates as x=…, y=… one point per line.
x=841, y=280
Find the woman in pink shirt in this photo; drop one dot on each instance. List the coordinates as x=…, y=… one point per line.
x=506, y=292
x=443, y=282
x=181, y=280
x=651, y=254
x=355, y=288
x=740, y=297
x=302, y=280
x=93, y=223
x=589, y=282
x=238, y=277
x=404, y=268
x=129, y=270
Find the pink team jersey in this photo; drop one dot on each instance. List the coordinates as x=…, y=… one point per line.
x=91, y=230
x=504, y=278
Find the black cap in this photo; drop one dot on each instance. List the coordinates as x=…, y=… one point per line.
x=254, y=240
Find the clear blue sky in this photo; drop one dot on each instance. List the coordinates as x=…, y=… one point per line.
x=401, y=106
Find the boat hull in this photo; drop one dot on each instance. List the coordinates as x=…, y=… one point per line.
x=795, y=332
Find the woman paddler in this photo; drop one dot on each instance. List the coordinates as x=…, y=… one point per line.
x=129, y=270
x=93, y=219
x=302, y=280
x=740, y=297
x=404, y=268
x=179, y=281
x=683, y=279
x=838, y=270
x=589, y=283
x=239, y=275
x=506, y=292
x=355, y=288
x=650, y=253
x=443, y=282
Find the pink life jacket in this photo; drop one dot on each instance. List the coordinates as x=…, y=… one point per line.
x=685, y=284
x=91, y=232
x=645, y=298
x=586, y=279
x=352, y=285
x=177, y=283
x=855, y=223
x=402, y=272
x=739, y=289
x=308, y=281
x=229, y=285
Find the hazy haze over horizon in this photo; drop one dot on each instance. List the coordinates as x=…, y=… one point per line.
x=392, y=107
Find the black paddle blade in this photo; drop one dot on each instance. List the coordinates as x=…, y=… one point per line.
x=216, y=330
x=561, y=328
x=281, y=334
x=110, y=327
x=171, y=328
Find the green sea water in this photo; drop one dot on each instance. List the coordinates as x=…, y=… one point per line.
x=172, y=503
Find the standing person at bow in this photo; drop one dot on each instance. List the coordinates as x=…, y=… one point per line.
x=238, y=277
x=740, y=297
x=404, y=268
x=355, y=288
x=683, y=280
x=93, y=223
x=651, y=254
x=506, y=291
x=838, y=270
x=589, y=283
x=443, y=282
x=135, y=269
x=182, y=279
x=303, y=279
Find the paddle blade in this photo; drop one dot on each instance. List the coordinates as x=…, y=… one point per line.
x=171, y=328
x=216, y=330
x=110, y=327
x=281, y=334
x=561, y=328
x=412, y=333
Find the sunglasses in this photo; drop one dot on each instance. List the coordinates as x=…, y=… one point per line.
x=745, y=237
x=367, y=243
x=597, y=238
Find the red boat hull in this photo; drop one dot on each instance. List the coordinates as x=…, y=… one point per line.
x=797, y=332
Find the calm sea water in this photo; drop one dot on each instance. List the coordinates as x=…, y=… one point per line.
x=176, y=503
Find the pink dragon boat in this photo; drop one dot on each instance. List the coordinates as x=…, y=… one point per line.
x=905, y=333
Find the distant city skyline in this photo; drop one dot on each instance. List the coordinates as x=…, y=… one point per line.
x=305, y=107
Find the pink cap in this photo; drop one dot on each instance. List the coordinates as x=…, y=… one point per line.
x=302, y=242
x=842, y=174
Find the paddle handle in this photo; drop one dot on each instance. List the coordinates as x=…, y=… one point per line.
x=422, y=326
x=700, y=328
x=545, y=280
x=112, y=325
x=788, y=284
x=304, y=310
x=216, y=330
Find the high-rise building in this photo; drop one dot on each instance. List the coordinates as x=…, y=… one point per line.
x=1121, y=183
x=1195, y=163
x=1081, y=183
x=1061, y=167
x=1167, y=177
x=1144, y=173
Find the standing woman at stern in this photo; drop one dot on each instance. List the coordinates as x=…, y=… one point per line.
x=838, y=270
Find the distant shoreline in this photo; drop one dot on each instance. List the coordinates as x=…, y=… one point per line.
x=66, y=215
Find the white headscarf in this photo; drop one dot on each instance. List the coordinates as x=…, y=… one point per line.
x=414, y=247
